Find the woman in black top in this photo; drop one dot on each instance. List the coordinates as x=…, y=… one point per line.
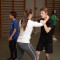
x=45, y=40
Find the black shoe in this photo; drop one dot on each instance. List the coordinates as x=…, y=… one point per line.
x=10, y=58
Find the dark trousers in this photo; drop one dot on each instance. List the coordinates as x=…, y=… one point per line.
x=13, y=49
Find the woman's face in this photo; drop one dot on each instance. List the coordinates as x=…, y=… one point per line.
x=43, y=14
x=30, y=15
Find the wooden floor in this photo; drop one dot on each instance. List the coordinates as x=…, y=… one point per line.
x=4, y=50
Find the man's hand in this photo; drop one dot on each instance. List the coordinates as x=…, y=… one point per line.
x=10, y=38
x=43, y=22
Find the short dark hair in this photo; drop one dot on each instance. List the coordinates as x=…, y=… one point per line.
x=13, y=13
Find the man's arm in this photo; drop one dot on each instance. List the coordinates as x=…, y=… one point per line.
x=47, y=29
x=10, y=38
x=13, y=32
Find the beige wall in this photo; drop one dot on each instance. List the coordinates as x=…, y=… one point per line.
x=39, y=4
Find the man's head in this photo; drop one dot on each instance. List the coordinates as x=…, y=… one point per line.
x=43, y=12
x=13, y=14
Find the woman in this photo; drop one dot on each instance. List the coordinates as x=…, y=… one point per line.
x=23, y=41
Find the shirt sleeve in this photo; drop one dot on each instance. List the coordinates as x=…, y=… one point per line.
x=51, y=24
x=36, y=24
x=15, y=24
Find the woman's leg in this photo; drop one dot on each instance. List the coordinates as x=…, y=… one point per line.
x=27, y=47
x=20, y=52
x=30, y=50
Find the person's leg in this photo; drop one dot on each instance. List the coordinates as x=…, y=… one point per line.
x=11, y=50
x=38, y=54
x=39, y=48
x=14, y=49
x=54, y=38
x=47, y=56
x=48, y=50
x=30, y=50
x=20, y=52
x=27, y=47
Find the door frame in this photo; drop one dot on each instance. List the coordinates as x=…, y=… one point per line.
x=0, y=18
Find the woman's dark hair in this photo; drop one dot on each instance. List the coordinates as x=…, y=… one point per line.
x=25, y=18
x=13, y=13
